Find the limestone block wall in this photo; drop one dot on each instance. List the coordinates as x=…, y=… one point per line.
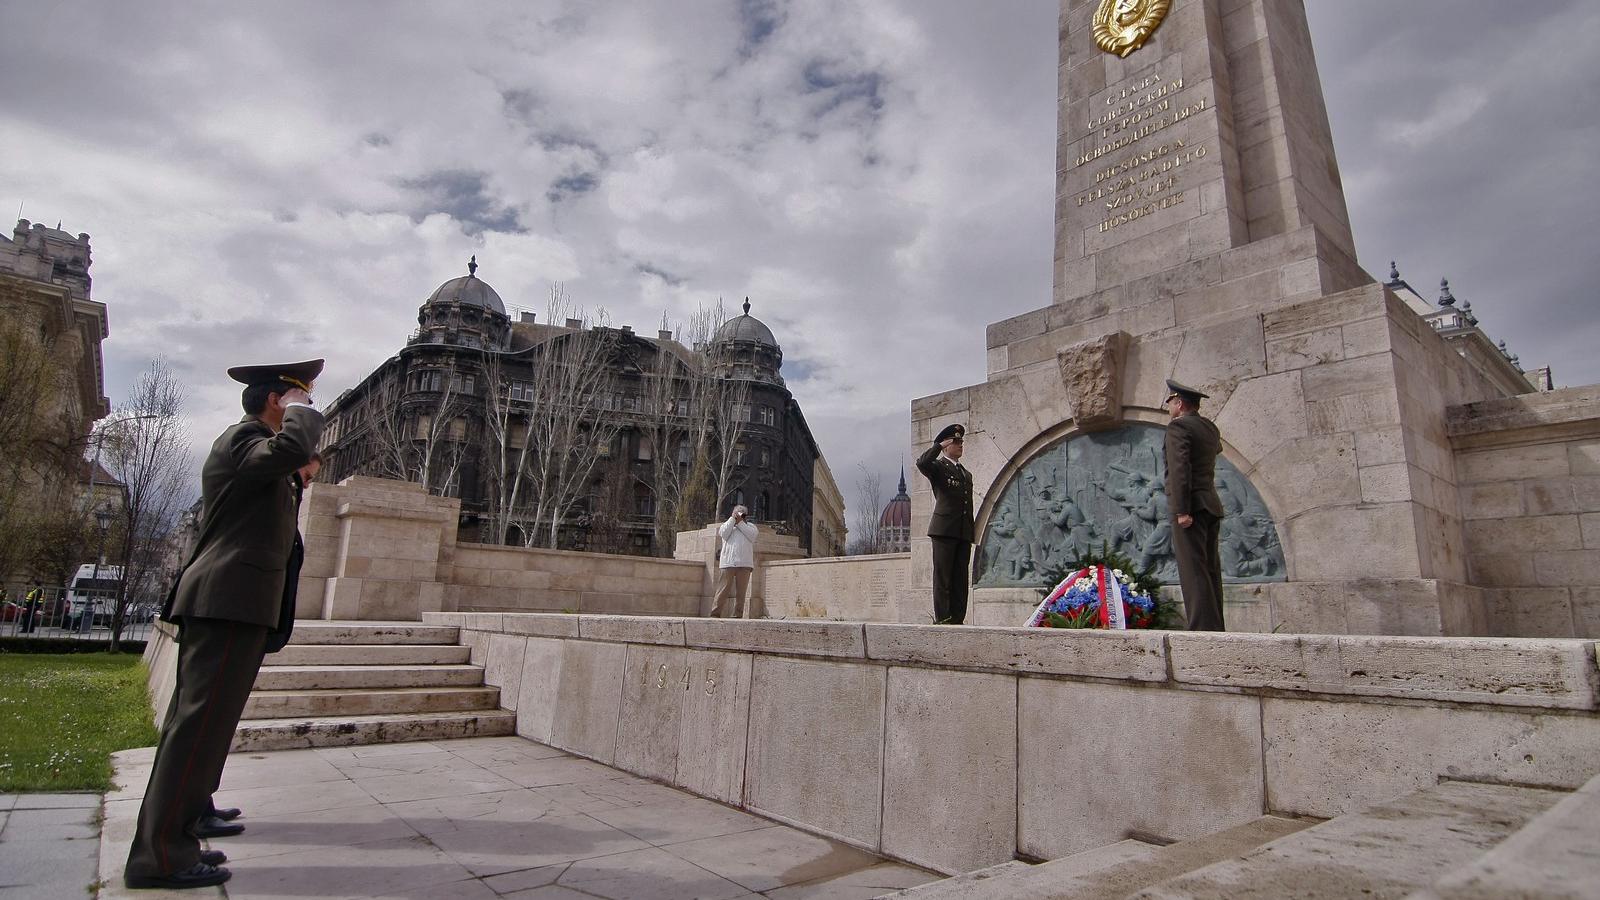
x=704, y=547
x=957, y=748
x=516, y=579
x=1530, y=497
x=857, y=588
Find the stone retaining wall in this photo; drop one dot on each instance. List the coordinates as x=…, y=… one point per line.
x=1530, y=494
x=956, y=748
x=859, y=588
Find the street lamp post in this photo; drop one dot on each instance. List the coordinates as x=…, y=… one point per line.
x=102, y=518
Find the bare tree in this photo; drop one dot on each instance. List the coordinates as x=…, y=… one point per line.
x=421, y=441
x=147, y=449
x=868, y=532
x=571, y=409
x=730, y=399
x=678, y=412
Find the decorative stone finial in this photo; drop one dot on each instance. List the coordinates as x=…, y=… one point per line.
x=1466, y=313
x=1502, y=346
x=472, y=266
x=747, y=306
x=1394, y=272
x=1445, y=297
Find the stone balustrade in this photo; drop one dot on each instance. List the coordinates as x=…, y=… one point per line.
x=956, y=748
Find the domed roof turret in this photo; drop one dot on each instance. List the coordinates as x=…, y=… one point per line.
x=469, y=290
x=898, y=513
x=745, y=328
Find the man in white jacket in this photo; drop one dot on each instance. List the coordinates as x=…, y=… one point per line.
x=738, y=560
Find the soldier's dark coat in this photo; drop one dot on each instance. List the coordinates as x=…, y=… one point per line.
x=1192, y=445
x=951, y=529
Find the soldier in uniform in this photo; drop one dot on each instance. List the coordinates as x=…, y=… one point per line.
x=951, y=525
x=226, y=600
x=1192, y=445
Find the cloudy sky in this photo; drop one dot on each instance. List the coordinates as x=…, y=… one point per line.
x=287, y=180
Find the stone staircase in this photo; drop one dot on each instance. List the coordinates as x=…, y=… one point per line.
x=1453, y=841
x=344, y=683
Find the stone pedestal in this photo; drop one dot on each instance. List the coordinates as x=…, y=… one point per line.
x=375, y=549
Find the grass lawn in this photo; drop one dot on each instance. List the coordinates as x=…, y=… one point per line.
x=62, y=715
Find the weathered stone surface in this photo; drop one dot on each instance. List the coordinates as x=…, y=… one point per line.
x=655, y=681
x=1390, y=850
x=798, y=706
x=588, y=699
x=1551, y=856
x=1091, y=373
x=1262, y=414
x=539, y=692
x=715, y=723
x=1137, y=655
x=1510, y=672
x=1325, y=759
x=632, y=629
x=1206, y=745
x=504, y=668
x=541, y=624
x=950, y=722
x=799, y=638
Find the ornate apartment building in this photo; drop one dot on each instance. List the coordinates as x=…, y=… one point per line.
x=473, y=390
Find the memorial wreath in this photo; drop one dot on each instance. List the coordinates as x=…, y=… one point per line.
x=1102, y=590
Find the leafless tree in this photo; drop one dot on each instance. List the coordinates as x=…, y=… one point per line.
x=421, y=441
x=869, y=537
x=146, y=447
x=570, y=408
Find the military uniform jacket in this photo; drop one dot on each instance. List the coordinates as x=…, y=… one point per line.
x=952, y=496
x=1193, y=443
x=248, y=524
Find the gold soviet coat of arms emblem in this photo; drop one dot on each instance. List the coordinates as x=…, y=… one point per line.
x=1122, y=26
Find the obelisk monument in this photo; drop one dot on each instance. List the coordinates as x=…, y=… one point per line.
x=1202, y=235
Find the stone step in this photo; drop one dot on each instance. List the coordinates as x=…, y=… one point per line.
x=1387, y=850
x=1553, y=856
x=370, y=655
x=331, y=678
x=320, y=632
x=1113, y=871
x=345, y=731
x=395, y=701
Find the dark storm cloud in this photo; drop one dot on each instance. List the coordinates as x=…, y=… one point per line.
x=465, y=196
x=572, y=186
x=656, y=272
x=758, y=19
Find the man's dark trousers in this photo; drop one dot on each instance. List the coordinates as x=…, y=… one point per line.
x=217, y=665
x=1200, y=566
x=952, y=558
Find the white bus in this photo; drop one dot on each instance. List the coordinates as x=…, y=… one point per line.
x=93, y=587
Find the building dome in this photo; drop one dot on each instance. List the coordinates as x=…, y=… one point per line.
x=898, y=513
x=745, y=328
x=468, y=290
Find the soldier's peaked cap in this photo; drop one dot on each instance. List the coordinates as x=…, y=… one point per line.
x=951, y=431
x=300, y=374
x=1184, y=391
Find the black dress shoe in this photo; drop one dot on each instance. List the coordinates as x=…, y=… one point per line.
x=229, y=814
x=213, y=827
x=197, y=875
x=213, y=857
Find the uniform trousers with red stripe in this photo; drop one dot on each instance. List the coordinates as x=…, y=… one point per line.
x=217, y=664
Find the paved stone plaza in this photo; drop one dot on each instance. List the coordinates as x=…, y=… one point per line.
x=490, y=817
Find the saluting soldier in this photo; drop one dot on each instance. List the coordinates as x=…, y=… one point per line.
x=226, y=600
x=951, y=525
x=1193, y=443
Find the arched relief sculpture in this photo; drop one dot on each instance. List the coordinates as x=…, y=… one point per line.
x=1109, y=488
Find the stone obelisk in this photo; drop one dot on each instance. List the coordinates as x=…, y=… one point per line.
x=1202, y=235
